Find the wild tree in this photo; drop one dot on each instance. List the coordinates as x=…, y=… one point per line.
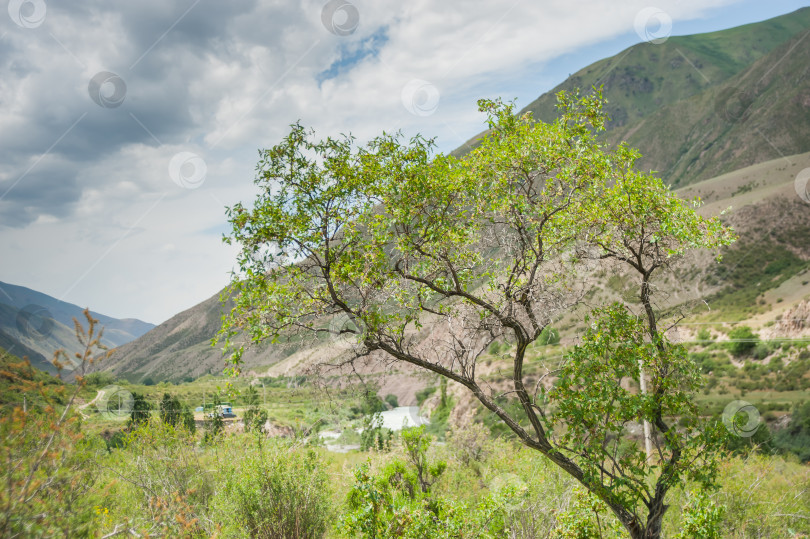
x=140, y=413
x=170, y=409
x=428, y=259
x=187, y=419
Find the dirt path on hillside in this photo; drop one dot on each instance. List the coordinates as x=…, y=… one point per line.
x=95, y=399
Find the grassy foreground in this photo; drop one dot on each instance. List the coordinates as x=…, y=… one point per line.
x=165, y=483
x=159, y=480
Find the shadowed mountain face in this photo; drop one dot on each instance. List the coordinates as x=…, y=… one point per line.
x=703, y=105
x=731, y=105
x=35, y=325
x=175, y=349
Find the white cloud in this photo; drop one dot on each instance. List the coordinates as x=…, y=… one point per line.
x=106, y=226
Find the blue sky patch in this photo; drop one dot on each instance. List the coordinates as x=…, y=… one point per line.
x=354, y=53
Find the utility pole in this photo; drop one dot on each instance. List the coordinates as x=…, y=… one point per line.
x=647, y=434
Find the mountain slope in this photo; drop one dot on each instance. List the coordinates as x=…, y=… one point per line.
x=760, y=114
x=678, y=103
x=179, y=347
x=702, y=105
x=35, y=325
x=642, y=78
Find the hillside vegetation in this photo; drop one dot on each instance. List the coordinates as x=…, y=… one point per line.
x=702, y=105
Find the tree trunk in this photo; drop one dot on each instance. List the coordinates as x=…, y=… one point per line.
x=655, y=520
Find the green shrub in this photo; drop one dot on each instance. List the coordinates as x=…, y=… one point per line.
x=423, y=394
x=743, y=341
x=398, y=501
x=167, y=487
x=48, y=472
x=763, y=496
x=469, y=444
x=701, y=517
x=276, y=490
x=392, y=400
x=760, y=442
x=587, y=517
x=761, y=351
x=99, y=379
x=117, y=440
x=704, y=361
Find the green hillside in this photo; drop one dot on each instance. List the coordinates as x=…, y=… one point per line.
x=701, y=105
x=641, y=79
x=19, y=378
x=760, y=114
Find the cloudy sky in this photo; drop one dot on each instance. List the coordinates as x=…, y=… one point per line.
x=127, y=127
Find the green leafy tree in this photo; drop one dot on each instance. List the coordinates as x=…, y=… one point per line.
x=391, y=400
x=170, y=410
x=594, y=409
x=374, y=435
x=141, y=411
x=416, y=444
x=742, y=340
x=495, y=245
x=187, y=419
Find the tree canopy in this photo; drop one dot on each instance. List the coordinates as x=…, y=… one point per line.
x=428, y=259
